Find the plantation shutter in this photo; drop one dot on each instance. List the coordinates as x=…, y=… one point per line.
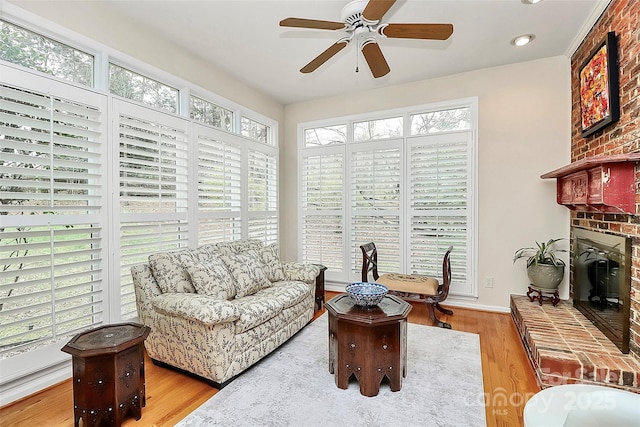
x=52, y=255
x=219, y=186
x=440, y=205
x=322, y=182
x=153, y=189
x=262, y=192
x=376, y=176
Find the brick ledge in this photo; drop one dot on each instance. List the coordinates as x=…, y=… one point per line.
x=564, y=347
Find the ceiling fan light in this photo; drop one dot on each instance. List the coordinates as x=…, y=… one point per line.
x=523, y=39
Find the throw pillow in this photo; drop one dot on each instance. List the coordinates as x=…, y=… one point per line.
x=212, y=278
x=271, y=258
x=168, y=270
x=238, y=246
x=248, y=272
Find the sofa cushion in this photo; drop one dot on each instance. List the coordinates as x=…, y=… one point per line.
x=198, y=308
x=271, y=258
x=247, y=271
x=212, y=278
x=255, y=310
x=169, y=270
x=289, y=293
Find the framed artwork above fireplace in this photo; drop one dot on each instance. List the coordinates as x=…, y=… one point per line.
x=599, y=90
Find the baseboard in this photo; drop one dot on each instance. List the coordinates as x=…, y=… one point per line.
x=454, y=302
x=34, y=383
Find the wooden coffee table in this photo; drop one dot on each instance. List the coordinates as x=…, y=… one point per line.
x=368, y=343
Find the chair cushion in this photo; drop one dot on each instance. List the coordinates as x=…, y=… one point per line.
x=212, y=278
x=247, y=271
x=411, y=283
x=271, y=258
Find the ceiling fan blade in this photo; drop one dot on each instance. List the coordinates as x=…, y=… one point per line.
x=375, y=9
x=416, y=31
x=375, y=58
x=325, y=56
x=312, y=23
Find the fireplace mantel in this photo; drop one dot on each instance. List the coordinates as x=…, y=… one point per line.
x=598, y=184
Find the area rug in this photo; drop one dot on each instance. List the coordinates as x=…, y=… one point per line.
x=293, y=387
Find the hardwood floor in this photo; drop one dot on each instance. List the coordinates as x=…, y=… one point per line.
x=509, y=381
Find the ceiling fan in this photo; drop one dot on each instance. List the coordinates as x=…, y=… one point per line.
x=361, y=19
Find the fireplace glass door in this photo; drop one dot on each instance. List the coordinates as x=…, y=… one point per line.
x=601, y=280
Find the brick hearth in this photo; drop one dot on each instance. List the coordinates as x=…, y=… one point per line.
x=565, y=348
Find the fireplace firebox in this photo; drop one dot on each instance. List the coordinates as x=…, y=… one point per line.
x=601, y=282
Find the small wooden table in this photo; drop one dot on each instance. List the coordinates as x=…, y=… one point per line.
x=108, y=374
x=369, y=343
x=319, y=301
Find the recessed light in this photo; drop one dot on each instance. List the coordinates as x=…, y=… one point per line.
x=523, y=39
x=531, y=1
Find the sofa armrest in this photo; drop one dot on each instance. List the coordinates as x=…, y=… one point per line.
x=302, y=272
x=199, y=308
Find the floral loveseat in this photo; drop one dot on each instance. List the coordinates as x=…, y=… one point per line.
x=216, y=310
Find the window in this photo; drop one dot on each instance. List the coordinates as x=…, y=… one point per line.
x=254, y=130
x=328, y=135
x=377, y=129
x=211, y=114
x=262, y=196
x=441, y=121
x=322, y=212
x=440, y=211
x=134, y=86
x=153, y=182
x=91, y=185
x=36, y=52
x=376, y=171
x=219, y=186
x=403, y=180
x=52, y=262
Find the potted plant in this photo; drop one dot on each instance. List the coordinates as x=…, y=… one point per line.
x=544, y=268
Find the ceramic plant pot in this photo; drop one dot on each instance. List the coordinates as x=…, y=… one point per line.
x=545, y=276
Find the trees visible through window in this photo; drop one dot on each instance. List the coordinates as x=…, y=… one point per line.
x=254, y=130
x=134, y=86
x=378, y=129
x=211, y=114
x=36, y=52
x=327, y=135
x=441, y=121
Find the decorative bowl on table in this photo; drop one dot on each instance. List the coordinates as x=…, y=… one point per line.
x=366, y=294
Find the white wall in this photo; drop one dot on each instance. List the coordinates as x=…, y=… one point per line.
x=524, y=131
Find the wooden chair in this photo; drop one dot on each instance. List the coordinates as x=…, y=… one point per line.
x=411, y=287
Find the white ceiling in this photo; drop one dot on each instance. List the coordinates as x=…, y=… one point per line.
x=244, y=38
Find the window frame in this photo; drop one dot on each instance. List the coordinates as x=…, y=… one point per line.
x=22, y=364
x=351, y=256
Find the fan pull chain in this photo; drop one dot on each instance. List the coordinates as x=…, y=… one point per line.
x=357, y=56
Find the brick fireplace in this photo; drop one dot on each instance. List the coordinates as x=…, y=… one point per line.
x=622, y=137
x=562, y=344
